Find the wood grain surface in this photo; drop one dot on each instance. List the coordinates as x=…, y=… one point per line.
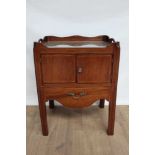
x=77, y=132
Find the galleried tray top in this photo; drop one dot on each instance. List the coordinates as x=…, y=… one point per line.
x=77, y=44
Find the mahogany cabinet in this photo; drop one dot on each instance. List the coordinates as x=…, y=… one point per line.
x=76, y=71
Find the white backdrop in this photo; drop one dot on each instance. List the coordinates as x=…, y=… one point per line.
x=82, y=17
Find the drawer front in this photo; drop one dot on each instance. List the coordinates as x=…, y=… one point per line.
x=77, y=97
x=94, y=68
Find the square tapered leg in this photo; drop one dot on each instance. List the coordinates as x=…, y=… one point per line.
x=51, y=104
x=101, y=103
x=111, y=118
x=43, y=117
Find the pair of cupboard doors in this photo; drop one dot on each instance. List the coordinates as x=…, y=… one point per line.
x=76, y=68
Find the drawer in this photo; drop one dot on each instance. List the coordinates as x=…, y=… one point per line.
x=76, y=97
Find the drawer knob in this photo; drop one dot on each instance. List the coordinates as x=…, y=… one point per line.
x=79, y=69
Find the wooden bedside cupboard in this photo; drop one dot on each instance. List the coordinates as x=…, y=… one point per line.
x=76, y=71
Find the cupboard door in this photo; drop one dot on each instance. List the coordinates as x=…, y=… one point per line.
x=94, y=68
x=58, y=68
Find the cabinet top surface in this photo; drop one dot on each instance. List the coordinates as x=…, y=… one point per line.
x=77, y=44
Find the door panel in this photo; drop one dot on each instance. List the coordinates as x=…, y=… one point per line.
x=94, y=68
x=58, y=68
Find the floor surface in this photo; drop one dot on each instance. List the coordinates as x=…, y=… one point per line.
x=77, y=132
